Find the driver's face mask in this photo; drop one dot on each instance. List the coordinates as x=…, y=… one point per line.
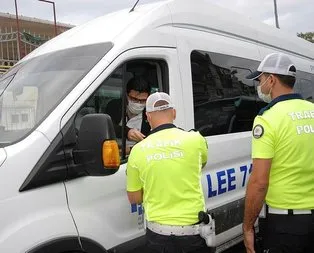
x=135, y=108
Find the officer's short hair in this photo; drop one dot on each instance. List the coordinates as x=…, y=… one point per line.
x=161, y=102
x=287, y=80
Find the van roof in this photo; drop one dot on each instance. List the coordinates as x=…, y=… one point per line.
x=129, y=29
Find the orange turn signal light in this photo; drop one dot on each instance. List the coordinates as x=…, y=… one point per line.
x=110, y=154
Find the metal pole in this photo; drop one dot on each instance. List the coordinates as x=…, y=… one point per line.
x=276, y=14
x=54, y=17
x=54, y=14
x=18, y=32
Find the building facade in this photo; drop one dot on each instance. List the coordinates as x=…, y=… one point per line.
x=33, y=33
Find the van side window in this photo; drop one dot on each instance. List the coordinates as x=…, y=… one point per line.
x=305, y=85
x=108, y=98
x=224, y=101
x=307, y=89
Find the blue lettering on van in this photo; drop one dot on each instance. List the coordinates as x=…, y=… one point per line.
x=135, y=208
x=244, y=169
x=226, y=180
x=221, y=177
x=140, y=210
x=231, y=179
x=211, y=192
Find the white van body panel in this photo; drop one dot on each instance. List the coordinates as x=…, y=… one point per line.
x=3, y=156
x=301, y=63
x=35, y=216
x=21, y=159
x=226, y=174
x=102, y=213
x=214, y=19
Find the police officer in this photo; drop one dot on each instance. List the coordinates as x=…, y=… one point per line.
x=164, y=172
x=283, y=163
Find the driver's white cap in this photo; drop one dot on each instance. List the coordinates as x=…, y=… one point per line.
x=275, y=63
x=156, y=97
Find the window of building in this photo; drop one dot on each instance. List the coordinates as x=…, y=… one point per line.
x=224, y=101
x=15, y=118
x=24, y=117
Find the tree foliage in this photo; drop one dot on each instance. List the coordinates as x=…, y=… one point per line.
x=309, y=36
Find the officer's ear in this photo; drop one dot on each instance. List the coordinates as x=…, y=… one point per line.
x=174, y=113
x=273, y=79
x=149, y=118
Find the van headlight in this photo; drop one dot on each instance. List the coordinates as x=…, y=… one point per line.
x=3, y=156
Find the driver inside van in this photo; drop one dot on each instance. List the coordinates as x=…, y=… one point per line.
x=137, y=127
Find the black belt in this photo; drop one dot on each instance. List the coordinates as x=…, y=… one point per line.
x=271, y=210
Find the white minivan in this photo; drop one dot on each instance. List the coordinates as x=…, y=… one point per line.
x=61, y=189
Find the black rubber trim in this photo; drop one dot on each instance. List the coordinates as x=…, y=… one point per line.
x=50, y=168
x=228, y=216
x=60, y=245
x=91, y=246
x=69, y=133
x=68, y=245
x=56, y=164
x=136, y=245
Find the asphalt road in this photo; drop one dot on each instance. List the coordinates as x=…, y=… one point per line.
x=236, y=249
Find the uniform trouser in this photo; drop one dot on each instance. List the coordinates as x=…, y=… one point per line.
x=287, y=233
x=157, y=243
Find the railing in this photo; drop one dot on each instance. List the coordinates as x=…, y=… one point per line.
x=9, y=49
x=3, y=69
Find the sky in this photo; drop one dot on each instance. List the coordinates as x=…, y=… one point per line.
x=294, y=15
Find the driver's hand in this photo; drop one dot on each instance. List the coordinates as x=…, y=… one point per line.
x=135, y=135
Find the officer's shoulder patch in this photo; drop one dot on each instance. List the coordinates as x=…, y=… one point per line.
x=258, y=131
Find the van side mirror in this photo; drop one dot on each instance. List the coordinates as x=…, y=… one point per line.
x=97, y=149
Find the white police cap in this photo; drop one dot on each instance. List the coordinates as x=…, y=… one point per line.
x=275, y=63
x=156, y=97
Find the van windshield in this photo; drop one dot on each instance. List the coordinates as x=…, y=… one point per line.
x=32, y=89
